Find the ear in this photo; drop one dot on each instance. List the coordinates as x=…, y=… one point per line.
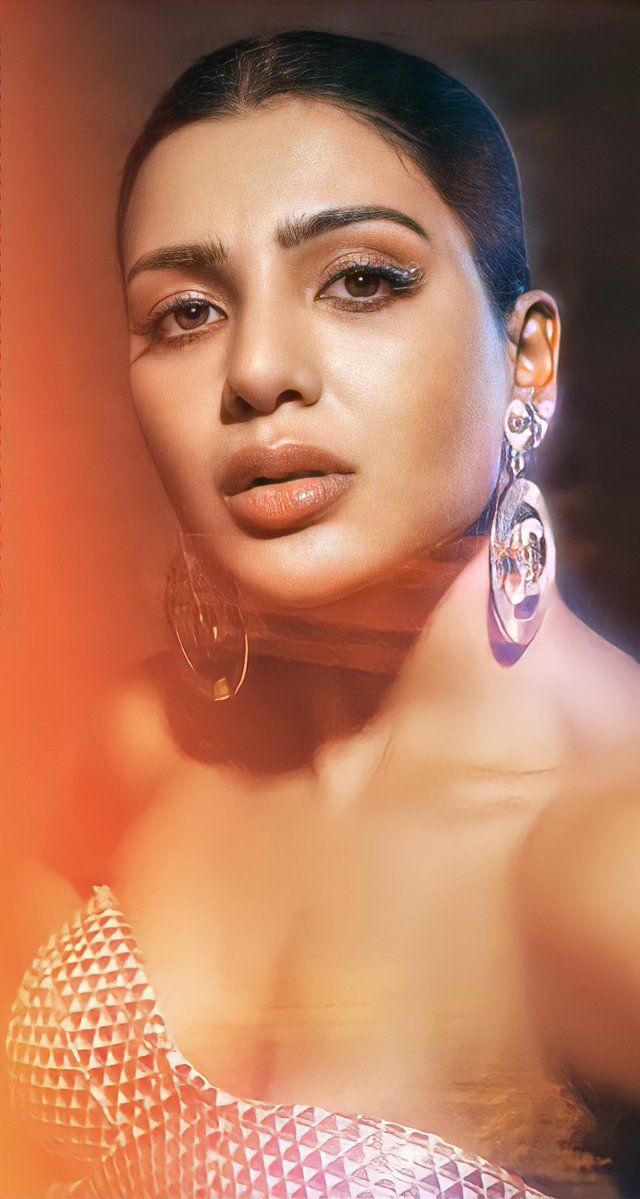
x=533, y=329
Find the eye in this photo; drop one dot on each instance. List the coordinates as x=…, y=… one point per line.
x=361, y=286
x=187, y=314
x=360, y=283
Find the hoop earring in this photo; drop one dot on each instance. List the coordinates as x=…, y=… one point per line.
x=521, y=545
x=208, y=628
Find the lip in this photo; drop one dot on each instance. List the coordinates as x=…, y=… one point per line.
x=275, y=461
x=282, y=504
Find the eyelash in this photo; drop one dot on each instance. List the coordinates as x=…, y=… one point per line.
x=404, y=281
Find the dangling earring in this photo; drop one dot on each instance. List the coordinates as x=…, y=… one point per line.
x=521, y=546
x=208, y=627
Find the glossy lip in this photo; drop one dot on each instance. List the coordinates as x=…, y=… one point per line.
x=274, y=462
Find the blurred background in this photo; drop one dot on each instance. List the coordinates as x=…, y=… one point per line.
x=86, y=529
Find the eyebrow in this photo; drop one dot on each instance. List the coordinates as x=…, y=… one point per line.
x=211, y=252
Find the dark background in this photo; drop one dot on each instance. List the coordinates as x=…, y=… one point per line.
x=86, y=530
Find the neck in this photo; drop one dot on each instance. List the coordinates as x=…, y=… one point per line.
x=373, y=629
x=409, y=661
x=420, y=636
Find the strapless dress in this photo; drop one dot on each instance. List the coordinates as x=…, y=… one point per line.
x=91, y=1062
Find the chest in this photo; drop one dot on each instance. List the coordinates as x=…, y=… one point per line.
x=283, y=937
x=362, y=961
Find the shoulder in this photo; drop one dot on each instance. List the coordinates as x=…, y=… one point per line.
x=578, y=901
x=600, y=682
x=125, y=750
x=127, y=741
x=592, y=822
x=583, y=831
x=38, y=900
x=128, y=733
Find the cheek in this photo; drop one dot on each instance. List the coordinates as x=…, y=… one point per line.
x=433, y=426
x=182, y=435
x=418, y=404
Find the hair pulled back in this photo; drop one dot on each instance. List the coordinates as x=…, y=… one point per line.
x=438, y=122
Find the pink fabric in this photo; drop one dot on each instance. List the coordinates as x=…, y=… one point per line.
x=90, y=1060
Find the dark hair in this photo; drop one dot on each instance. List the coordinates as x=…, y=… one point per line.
x=446, y=129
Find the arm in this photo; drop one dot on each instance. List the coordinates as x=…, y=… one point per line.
x=578, y=900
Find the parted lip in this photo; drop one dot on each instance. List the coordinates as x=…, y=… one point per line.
x=276, y=462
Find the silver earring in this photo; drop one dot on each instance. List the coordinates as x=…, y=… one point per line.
x=521, y=546
x=209, y=631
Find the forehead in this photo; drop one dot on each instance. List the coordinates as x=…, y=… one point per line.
x=237, y=176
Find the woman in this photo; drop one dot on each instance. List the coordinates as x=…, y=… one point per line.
x=351, y=931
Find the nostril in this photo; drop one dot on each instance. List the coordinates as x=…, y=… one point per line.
x=242, y=403
x=289, y=394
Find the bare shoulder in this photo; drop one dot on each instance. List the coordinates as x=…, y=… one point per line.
x=37, y=901
x=597, y=798
x=45, y=899
x=130, y=732
x=590, y=825
x=123, y=747
x=603, y=681
x=125, y=751
x=577, y=877
x=578, y=901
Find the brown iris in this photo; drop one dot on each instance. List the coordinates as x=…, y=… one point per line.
x=362, y=283
x=189, y=316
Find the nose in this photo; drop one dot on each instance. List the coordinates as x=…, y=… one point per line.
x=271, y=362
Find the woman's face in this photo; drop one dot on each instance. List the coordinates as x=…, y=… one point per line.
x=367, y=343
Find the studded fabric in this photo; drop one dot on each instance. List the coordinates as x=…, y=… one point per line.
x=90, y=1060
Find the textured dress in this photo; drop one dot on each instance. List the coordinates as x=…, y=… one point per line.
x=91, y=1061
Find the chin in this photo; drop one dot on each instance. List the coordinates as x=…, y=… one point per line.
x=308, y=569
x=308, y=589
